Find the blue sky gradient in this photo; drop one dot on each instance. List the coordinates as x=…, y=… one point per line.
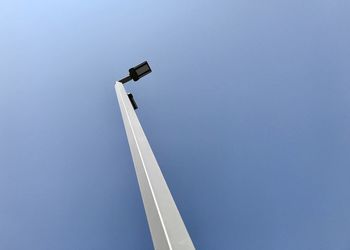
x=247, y=111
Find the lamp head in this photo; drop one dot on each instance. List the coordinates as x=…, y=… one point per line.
x=140, y=71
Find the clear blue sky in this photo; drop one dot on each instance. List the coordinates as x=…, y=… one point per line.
x=247, y=111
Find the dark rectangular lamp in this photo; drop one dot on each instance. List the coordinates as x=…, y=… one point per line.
x=137, y=72
x=140, y=71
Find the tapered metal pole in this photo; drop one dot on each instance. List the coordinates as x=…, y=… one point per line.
x=168, y=231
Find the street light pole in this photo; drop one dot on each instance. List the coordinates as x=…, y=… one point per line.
x=167, y=228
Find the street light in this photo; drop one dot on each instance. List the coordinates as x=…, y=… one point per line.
x=167, y=228
x=137, y=72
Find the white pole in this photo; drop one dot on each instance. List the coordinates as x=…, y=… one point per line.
x=168, y=231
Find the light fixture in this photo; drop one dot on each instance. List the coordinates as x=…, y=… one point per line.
x=137, y=72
